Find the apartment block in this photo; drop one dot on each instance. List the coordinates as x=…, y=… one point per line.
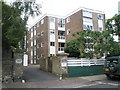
x=84, y=19
x=47, y=37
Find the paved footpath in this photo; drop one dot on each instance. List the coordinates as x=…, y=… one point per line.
x=36, y=78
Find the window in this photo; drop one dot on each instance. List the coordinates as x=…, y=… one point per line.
x=68, y=31
x=31, y=34
x=34, y=52
x=52, y=31
x=38, y=35
x=52, y=19
x=61, y=44
x=87, y=14
x=42, y=44
x=42, y=33
x=61, y=49
x=34, y=32
x=89, y=20
x=68, y=20
x=42, y=21
x=100, y=16
x=42, y=55
x=38, y=24
x=61, y=22
x=35, y=42
x=52, y=55
x=38, y=45
x=88, y=27
x=100, y=28
x=52, y=43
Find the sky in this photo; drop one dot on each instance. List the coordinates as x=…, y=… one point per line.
x=64, y=7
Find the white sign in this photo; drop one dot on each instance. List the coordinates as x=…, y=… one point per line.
x=64, y=64
x=19, y=61
x=25, y=60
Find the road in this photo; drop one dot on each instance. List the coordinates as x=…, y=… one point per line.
x=35, y=78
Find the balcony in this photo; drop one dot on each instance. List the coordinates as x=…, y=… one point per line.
x=61, y=38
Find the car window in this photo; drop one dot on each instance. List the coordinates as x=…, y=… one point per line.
x=112, y=60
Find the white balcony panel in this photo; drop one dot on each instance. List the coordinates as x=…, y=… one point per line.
x=87, y=23
x=61, y=28
x=52, y=49
x=52, y=25
x=60, y=51
x=61, y=40
x=52, y=38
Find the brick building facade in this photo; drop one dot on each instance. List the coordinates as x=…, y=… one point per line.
x=48, y=36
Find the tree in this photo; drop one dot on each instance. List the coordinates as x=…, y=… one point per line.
x=113, y=25
x=14, y=21
x=94, y=44
x=72, y=48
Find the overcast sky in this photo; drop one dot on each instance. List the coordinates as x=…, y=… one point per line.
x=64, y=7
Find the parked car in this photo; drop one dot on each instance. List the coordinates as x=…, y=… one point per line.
x=112, y=67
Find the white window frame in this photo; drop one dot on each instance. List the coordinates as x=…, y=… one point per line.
x=42, y=33
x=67, y=19
x=68, y=31
x=42, y=21
x=42, y=44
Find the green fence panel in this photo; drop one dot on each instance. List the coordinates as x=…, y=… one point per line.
x=77, y=71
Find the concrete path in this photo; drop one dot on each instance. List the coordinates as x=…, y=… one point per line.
x=34, y=74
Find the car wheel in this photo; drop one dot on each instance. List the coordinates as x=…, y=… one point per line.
x=110, y=76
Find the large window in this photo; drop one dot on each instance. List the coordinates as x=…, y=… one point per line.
x=89, y=20
x=87, y=14
x=52, y=19
x=88, y=27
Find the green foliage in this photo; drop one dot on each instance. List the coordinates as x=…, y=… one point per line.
x=92, y=43
x=72, y=48
x=14, y=21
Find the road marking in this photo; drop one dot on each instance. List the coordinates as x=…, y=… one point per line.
x=98, y=83
x=86, y=85
x=114, y=84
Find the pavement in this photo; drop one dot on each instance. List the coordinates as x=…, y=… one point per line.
x=35, y=78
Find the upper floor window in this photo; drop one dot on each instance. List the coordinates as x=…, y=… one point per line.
x=52, y=19
x=87, y=14
x=61, y=22
x=42, y=33
x=52, y=43
x=42, y=21
x=68, y=31
x=100, y=16
x=42, y=44
x=52, y=31
x=38, y=24
x=89, y=20
x=68, y=20
x=88, y=27
x=38, y=35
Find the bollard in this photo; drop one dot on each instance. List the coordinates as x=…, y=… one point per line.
x=60, y=77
